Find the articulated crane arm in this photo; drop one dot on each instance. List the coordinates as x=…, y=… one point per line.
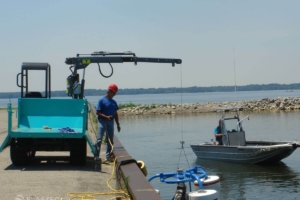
x=76, y=90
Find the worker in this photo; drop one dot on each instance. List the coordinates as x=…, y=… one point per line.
x=219, y=134
x=107, y=113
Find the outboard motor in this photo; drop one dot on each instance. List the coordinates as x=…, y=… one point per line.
x=180, y=192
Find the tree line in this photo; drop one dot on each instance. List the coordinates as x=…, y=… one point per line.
x=195, y=89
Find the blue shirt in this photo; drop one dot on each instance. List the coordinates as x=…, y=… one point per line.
x=218, y=131
x=107, y=106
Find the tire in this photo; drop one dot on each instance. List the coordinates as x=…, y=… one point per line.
x=19, y=155
x=78, y=152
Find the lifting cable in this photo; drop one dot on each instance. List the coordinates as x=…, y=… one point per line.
x=181, y=108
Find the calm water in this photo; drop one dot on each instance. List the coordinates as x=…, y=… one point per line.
x=155, y=140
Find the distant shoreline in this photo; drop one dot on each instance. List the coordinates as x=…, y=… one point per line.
x=169, y=90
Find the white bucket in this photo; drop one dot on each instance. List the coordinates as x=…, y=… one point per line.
x=211, y=182
x=203, y=195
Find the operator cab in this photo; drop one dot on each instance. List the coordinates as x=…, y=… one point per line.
x=26, y=91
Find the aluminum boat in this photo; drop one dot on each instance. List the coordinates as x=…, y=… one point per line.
x=235, y=148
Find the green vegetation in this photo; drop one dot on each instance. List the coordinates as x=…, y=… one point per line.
x=153, y=105
x=128, y=105
x=94, y=92
x=126, y=182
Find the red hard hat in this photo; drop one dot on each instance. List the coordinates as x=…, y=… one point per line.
x=113, y=87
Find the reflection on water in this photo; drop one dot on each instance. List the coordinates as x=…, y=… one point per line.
x=156, y=141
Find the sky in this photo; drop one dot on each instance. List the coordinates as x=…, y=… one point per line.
x=220, y=42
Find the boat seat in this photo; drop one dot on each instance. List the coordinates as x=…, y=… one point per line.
x=236, y=138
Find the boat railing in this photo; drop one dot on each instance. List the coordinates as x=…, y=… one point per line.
x=239, y=123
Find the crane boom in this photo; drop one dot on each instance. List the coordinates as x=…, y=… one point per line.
x=81, y=61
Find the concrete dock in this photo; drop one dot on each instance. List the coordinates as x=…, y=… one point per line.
x=51, y=180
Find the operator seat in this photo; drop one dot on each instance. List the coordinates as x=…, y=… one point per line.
x=33, y=95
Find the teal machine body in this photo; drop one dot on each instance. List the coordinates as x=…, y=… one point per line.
x=49, y=125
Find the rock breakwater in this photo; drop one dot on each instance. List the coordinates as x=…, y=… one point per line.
x=287, y=103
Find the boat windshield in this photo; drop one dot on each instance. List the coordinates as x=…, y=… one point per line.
x=231, y=125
